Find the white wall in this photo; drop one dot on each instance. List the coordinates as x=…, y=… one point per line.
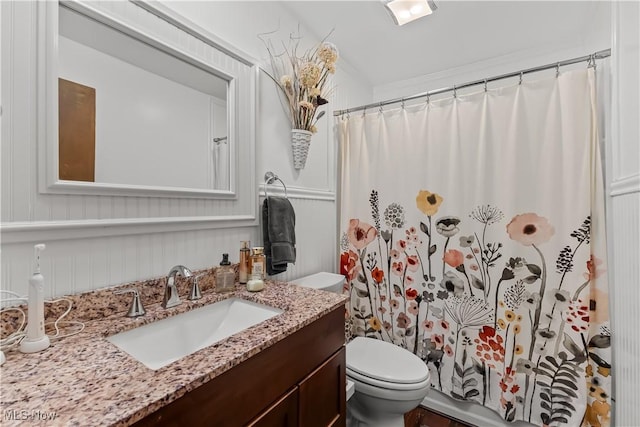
x=311, y=190
x=241, y=22
x=77, y=260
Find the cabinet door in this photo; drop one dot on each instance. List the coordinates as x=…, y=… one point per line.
x=323, y=394
x=283, y=413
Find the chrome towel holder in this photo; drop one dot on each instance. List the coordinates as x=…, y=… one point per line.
x=269, y=178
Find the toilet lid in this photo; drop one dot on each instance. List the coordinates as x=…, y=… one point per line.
x=322, y=280
x=384, y=361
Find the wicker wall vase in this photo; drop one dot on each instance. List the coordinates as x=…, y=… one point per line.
x=300, y=141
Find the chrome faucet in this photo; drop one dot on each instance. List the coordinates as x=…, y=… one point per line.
x=171, y=297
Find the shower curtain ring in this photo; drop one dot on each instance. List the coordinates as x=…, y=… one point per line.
x=520, y=82
x=455, y=91
x=380, y=108
x=428, y=98
x=485, y=85
x=557, y=69
x=402, y=103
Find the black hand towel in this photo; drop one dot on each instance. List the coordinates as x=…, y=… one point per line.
x=278, y=231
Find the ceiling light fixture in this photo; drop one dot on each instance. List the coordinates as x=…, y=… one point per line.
x=403, y=11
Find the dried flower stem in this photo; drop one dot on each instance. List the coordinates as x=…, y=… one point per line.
x=302, y=80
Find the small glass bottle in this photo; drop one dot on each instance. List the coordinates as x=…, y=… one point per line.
x=255, y=284
x=258, y=262
x=243, y=268
x=225, y=275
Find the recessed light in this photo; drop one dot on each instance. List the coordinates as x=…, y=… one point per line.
x=415, y=10
x=403, y=11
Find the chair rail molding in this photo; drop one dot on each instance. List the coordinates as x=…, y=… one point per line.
x=20, y=232
x=300, y=193
x=626, y=185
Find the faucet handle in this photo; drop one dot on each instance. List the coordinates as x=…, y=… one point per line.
x=195, y=289
x=136, y=309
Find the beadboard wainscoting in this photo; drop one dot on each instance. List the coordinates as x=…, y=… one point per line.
x=625, y=298
x=76, y=264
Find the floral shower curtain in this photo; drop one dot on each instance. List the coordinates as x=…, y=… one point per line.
x=473, y=236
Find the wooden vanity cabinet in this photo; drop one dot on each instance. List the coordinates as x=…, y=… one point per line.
x=298, y=381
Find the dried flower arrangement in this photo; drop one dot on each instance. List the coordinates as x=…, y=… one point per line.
x=302, y=79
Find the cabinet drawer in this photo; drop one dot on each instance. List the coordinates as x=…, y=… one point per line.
x=283, y=413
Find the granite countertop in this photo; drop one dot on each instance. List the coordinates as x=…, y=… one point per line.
x=85, y=380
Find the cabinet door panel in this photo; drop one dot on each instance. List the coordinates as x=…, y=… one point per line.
x=323, y=394
x=283, y=413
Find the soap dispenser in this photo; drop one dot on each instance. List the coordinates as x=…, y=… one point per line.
x=225, y=275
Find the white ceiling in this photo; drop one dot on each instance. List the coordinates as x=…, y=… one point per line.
x=458, y=33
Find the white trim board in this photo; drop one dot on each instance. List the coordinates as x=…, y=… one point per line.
x=276, y=189
x=626, y=185
x=19, y=232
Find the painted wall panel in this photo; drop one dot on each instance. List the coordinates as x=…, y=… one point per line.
x=77, y=261
x=624, y=210
x=624, y=301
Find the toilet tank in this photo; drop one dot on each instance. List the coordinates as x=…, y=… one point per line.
x=323, y=281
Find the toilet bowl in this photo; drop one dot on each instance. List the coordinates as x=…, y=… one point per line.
x=389, y=380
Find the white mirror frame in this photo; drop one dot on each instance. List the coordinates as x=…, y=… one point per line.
x=168, y=36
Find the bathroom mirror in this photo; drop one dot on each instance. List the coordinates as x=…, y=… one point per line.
x=139, y=103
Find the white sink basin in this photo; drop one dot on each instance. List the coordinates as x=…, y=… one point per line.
x=160, y=343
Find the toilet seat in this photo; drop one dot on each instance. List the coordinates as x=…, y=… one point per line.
x=385, y=365
x=387, y=385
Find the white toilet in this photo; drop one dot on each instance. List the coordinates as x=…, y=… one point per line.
x=389, y=380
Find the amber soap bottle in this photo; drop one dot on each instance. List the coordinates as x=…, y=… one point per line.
x=258, y=263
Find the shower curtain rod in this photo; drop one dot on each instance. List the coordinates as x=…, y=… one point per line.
x=591, y=58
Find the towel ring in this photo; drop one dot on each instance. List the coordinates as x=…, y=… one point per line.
x=269, y=178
